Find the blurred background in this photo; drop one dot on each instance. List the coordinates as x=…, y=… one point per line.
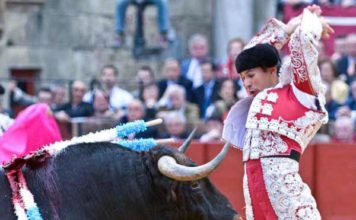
x=100, y=63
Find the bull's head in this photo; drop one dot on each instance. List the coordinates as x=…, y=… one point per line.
x=187, y=191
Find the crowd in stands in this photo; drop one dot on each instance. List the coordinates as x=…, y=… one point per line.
x=195, y=92
x=344, y=3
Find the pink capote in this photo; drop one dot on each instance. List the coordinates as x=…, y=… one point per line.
x=33, y=128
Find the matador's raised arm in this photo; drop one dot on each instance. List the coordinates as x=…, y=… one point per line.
x=304, y=54
x=273, y=33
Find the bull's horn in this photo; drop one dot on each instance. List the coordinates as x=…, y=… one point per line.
x=186, y=143
x=168, y=166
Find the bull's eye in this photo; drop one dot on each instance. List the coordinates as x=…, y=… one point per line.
x=195, y=185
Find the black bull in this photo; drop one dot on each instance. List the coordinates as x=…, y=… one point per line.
x=104, y=181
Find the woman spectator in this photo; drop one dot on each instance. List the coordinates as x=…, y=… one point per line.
x=328, y=71
x=149, y=97
x=344, y=130
x=144, y=76
x=174, y=100
x=338, y=88
x=234, y=48
x=227, y=97
x=102, y=108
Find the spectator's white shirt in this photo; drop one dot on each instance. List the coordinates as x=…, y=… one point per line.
x=5, y=123
x=120, y=98
x=194, y=73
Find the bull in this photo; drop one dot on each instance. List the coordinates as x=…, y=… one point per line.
x=107, y=181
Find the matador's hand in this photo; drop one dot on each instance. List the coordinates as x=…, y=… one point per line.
x=327, y=30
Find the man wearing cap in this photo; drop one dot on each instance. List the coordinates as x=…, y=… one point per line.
x=276, y=122
x=5, y=120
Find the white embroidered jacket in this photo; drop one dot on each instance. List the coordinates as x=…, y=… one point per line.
x=286, y=117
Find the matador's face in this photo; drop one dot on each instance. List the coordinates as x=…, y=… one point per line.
x=258, y=79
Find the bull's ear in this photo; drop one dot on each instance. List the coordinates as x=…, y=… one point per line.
x=172, y=196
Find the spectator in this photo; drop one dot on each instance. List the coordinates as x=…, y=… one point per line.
x=191, y=67
x=328, y=71
x=347, y=3
x=322, y=53
x=298, y=2
x=19, y=97
x=340, y=91
x=346, y=63
x=325, y=2
x=59, y=95
x=295, y=3
x=351, y=102
x=347, y=112
x=175, y=126
x=149, y=97
x=344, y=131
x=76, y=107
x=5, y=123
x=2, y=90
x=322, y=136
x=213, y=130
x=344, y=111
x=171, y=74
x=3, y=110
x=45, y=95
x=338, y=88
x=102, y=108
x=144, y=76
x=339, y=49
x=343, y=3
x=119, y=98
x=227, y=98
x=174, y=100
x=330, y=104
x=162, y=18
x=234, y=48
x=207, y=93
x=5, y=120
x=136, y=111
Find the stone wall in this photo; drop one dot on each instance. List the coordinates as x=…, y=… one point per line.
x=2, y=12
x=239, y=18
x=69, y=39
